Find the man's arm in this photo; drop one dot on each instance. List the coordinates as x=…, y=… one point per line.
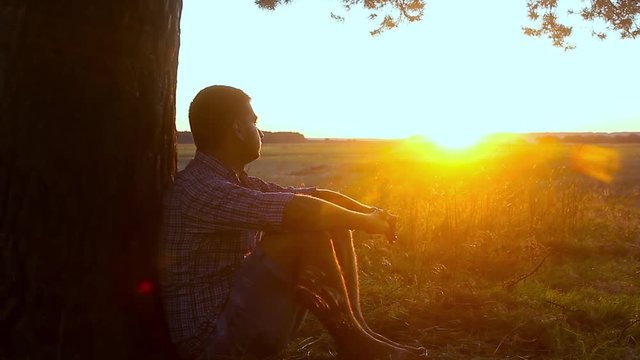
x=313, y=214
x=265, y=186
x=342, y=200
x=313, y=209
x=324, y=194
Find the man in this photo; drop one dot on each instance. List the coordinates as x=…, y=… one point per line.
x=243, y=260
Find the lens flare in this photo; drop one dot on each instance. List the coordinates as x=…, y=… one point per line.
x=145, y=287
x=598, y=162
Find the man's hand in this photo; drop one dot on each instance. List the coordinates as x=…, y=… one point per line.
x=382, y=222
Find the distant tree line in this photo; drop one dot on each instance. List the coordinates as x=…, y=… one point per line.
x=591, y=138
x=185, y=137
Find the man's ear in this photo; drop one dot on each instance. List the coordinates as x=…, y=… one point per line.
x=236, y=130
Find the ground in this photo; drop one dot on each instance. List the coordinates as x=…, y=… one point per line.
x=521, y=251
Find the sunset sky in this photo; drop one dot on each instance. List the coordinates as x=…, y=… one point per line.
x=466, y=68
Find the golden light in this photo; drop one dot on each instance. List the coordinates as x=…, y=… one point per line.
x=455, y=150
x=598, y=162
x=456, y=140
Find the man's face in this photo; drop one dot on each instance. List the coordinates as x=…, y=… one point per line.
x=248, y=135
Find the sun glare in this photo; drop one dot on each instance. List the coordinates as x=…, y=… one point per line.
x=455, y=140
x=457, y=149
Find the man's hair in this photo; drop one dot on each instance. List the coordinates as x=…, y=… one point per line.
x=212, y=112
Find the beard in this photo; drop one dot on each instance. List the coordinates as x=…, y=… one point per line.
x=250, y=151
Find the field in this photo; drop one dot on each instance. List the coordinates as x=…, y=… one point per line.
x=522, y=251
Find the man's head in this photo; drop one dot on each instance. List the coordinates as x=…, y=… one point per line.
x=221, y=118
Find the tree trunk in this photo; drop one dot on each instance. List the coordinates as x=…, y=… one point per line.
x=87, y=147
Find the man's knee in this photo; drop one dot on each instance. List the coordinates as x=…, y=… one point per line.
x=294, y=242
x=286, y=248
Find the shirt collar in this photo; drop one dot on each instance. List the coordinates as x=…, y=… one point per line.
x=219, y=168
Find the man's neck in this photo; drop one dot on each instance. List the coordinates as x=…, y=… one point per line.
x=226, y=159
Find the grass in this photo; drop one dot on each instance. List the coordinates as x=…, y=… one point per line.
x=505, y=252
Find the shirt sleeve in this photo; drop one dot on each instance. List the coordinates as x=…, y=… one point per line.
x=221, y=205
x=264, y=186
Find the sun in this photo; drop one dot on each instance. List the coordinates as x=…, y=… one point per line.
x=457, y=148
x=455, y=140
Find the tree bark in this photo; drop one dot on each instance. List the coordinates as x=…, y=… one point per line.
x=87, y=147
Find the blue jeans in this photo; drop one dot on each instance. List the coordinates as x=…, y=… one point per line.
x=261, y=315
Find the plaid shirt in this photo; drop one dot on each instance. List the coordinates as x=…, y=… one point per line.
x=212, y=220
